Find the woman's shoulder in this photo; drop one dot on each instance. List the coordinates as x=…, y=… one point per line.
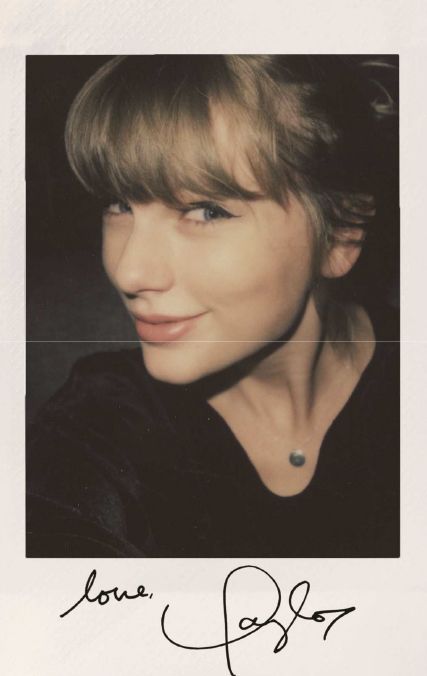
x=83, y=449
x=374, y=406
x=104, y=416
x=101, y=385
x=385, y=367
x=119, y=366
x=385, y=320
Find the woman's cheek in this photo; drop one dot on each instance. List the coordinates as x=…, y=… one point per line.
x=216, y=272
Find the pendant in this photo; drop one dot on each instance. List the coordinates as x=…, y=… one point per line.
x=297, y=458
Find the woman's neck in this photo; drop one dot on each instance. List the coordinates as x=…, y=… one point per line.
x=290, y=387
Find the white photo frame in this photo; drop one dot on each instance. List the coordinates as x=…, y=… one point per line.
x=385, y=634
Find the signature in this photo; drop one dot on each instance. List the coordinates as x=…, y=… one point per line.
x=104, y=595
x=250, y=625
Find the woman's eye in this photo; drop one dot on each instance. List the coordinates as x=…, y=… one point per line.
x=206, y=212
x=118, y=208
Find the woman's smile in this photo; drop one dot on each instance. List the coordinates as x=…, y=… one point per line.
x=163, y=328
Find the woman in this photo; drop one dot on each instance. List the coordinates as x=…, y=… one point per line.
x=262, y=418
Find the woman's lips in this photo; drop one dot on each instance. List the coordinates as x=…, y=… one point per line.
x=160, y=328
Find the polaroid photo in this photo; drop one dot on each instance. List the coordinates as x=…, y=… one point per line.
x=213, y=449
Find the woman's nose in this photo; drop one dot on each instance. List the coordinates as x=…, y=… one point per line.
x=145, y=259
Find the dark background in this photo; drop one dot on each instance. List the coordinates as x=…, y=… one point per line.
x=71, y=306
x=72, y=309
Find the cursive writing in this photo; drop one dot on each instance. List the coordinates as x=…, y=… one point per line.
x=105, y=595
x=250, y=625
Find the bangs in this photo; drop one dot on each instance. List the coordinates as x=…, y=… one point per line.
x=144, y=128
x=147, y=128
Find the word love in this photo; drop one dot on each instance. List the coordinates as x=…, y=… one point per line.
x=104, y=596
x=250, y=625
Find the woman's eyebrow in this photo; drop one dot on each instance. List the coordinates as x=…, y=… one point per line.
x=201, y=203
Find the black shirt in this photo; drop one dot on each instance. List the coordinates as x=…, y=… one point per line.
x=119, y=464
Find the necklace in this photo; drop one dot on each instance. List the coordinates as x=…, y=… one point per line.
x=297, y=456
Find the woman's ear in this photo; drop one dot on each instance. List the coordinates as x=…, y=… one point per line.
x=343, y=251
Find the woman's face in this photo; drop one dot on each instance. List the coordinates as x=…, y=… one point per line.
x=210, y=285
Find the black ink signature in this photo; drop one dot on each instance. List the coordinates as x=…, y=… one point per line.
x=254, y=624
x=104, y=595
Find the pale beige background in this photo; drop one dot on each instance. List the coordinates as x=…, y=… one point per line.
x=386, y=635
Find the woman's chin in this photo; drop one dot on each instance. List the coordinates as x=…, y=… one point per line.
x=177, y=367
